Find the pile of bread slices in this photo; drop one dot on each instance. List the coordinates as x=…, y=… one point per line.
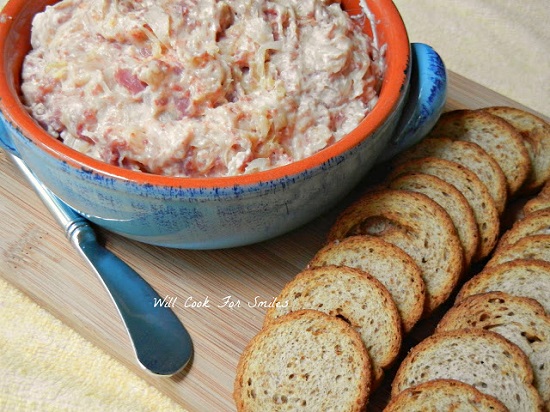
x=401, y=251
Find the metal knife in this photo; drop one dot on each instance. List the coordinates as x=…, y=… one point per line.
x=161, y=343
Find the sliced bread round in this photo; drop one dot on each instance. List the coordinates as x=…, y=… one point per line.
x=536, y=223
x=468, y=154
x=536, y=134
x=495, y=135
x=417, y=225
x=523, y=321
x=450, y=199
x=477, y=357
x=528, y=247
x=354, y=296
x=306, y=360
x=475, y=192
x=529, y=278
x=444, y=395
x=394, y=268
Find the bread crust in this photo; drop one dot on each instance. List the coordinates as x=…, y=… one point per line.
x=536, y=223
x=417, y=225
x=519, y=277
x=528, y=247
x=468, y=154
x=535, y=204
x=441, y=395
x=540, y=202
x=536, y=135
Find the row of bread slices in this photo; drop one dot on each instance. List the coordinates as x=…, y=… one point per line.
x=392, y=257
x=496, y=337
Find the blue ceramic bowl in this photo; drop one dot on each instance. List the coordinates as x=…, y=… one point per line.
x=205, y=213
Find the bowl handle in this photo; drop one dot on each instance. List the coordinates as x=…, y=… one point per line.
x=425, y=101
x=5, y=139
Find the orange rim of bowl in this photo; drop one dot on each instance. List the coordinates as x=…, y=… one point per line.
x=391, y=31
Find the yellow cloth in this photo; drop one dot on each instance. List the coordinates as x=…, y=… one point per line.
x=46, y=366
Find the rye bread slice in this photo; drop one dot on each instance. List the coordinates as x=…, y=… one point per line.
x=475, y=192
x=468, y=154
x=495, y=135
x=394, y=268
x=528, y=247
x=450, y=199
x=352, y=295
x=477, y=357
x=306, y=360
x=523, y=321
x=417, y=225
x=444, y=395
x=521, y=277
x=536, y=135
x=536, y=223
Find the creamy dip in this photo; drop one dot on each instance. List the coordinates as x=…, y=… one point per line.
x=200, y=87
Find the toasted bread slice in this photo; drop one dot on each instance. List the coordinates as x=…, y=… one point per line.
x=468, y=154
x=521, y=320
x=477, y=357
x=537, y=223
x=417, y=225
x=475, y=192
x=536, y=134
x=306, y=360
x=528, y=247
x=520, y=277
x=450, y=199
x=495, y=135
x=444, y=395
x=354, y=296
x=394, y=268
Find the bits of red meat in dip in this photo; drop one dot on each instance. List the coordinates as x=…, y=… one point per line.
x=200, y=88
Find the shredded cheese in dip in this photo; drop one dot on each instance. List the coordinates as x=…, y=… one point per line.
x=200, y=88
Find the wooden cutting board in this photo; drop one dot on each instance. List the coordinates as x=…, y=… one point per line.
x=219, y=295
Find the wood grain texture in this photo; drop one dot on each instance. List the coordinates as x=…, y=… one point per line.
x=37, y=259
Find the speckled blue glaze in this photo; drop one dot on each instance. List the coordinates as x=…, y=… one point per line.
x=207, y=218
x=427, y=97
